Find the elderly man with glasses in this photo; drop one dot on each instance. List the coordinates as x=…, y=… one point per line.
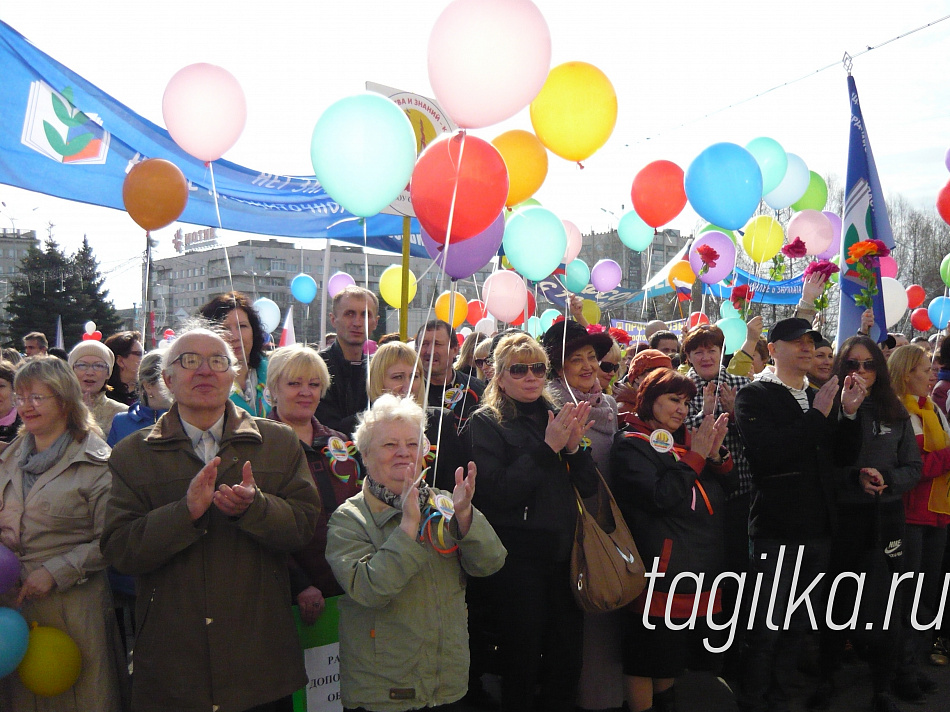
x=205, y=506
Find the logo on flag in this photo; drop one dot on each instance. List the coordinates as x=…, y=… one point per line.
x=54, y=127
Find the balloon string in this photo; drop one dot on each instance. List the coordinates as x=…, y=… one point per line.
x=148, y=269
x=448, y=227
x=366, y=310
x=214, y=194
x=234, y=304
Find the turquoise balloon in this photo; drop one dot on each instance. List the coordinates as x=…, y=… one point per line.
x=363, y=151
x=634, y=233
x=14, y=640
x=735, y=331
x=534, y=326
x=547, y=318
x=727, y=309
x=576, y=276
x=535, y=241
x=772, y=160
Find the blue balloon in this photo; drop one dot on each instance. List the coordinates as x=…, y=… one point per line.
x=724, y=185
x=939, y=312
x=535, y=241
x=576, y=276
x=304, y=288
x=14, y=640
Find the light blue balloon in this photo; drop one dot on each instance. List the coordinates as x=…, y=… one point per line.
x=793, y=185
x=547, y=318
x=304, y=288
x=363, y=151
x=576, y=276
x=939, y=312
x=634, y=233
x=535, y=241
x=14, y=640
x=534, y=326
x=724, y=185
x=772, y=160
x=735, y=331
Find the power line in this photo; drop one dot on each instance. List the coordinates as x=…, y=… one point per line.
x=788, y=83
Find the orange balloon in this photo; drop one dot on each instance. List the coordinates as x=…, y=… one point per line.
x=681, y=272
x=527, y=163
x=155, y=193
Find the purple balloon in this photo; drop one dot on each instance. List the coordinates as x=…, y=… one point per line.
x=947, y=159
x=338, y=282
x=726, y=249
x=466, y=257
x=606, y=275
x=9, y=569
x=835, y=247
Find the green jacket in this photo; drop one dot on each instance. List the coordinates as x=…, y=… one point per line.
x=403, y=621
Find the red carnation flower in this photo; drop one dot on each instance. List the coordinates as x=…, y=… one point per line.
x=708, y=255
x=796, y=248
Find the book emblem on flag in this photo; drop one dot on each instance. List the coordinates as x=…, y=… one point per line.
x=54, y=127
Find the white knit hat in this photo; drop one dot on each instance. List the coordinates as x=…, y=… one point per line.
x=91, y=347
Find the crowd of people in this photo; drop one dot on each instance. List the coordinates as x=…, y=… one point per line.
x=214, y=484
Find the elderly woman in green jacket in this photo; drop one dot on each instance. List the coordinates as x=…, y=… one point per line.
x=400, y=551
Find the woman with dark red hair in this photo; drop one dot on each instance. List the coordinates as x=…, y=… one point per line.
x=670, y=484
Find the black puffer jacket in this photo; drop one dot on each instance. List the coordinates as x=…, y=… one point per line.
x=525, y=488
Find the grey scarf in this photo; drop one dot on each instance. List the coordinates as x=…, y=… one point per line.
x=33, y=464
x=395, y=500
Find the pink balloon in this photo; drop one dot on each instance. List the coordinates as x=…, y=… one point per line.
x=204, y=110
x=889, y=269
x=726, y=249
x=338, y=282
x=505, y=295
x=813, y=228
x=574, y=242
x=488, y=59
x=835, y=246
x=606, y=275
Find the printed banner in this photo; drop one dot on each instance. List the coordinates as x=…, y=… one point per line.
x=64, y=137
x=637, y=329
x=766, y=291
x=321, y=644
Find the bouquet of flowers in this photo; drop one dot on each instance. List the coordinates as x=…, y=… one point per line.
x=708, y=255
x=825, y=268
x=866, y=257
x=741, y=296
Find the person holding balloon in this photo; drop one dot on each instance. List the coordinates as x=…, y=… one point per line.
x=54, y=483
x=242, y=329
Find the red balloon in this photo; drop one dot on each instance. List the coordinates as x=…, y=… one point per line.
x=478, y=184
x=658, y=193
x=943, y=203
x=915, y=296
x=532, y=305
x=86, y=337
x=476, y=311
x=920, y=320
x=97, y=335
x=696, y=319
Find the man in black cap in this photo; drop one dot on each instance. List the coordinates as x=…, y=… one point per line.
x=793, y=438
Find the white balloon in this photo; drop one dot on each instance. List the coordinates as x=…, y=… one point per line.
x=895, y=300
x=89, y=326
x=465, y=331
x=269, y=313
x=486, y=326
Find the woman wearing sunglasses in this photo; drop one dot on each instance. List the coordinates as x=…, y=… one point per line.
x=530, y=456
x=870, y=529
x=609, y=369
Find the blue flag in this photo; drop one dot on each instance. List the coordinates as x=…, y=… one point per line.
x=865, y=218
x=62, y=136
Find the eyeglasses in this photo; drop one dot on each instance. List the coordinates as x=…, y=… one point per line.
x=480, y=362
x=192, y=362
x=520, y=370
x=855, y=365
x=34, y=399
x=608, y=367
x=90, y=367
x=140, y=354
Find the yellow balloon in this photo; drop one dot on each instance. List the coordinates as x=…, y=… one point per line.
x=681, y=272
x=763, y=238
x=52, y=662
x=390, y=286
x=591, y=311
x=443, y=309
x=527, y=163
x=576, y=110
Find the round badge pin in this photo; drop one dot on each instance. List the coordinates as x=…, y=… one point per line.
x=444, y=504
x=452, y=396
x=661, y=440
x=337, y=449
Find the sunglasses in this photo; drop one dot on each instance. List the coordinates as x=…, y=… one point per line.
x=855, y=365
x=608, y=367
x=480, y=362
x=520, y=370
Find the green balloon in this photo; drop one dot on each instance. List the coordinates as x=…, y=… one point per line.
x=715, y=228
x=837, y=260
x=945, y=270
x=816, y=194
x=515, y=208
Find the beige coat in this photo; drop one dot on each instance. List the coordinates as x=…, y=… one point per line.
x=58, y=527
x=104, y=410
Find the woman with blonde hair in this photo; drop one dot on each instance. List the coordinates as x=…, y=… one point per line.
x=530, y=457
x=54, y=483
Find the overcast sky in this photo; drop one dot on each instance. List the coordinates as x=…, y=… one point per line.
x=677, y=67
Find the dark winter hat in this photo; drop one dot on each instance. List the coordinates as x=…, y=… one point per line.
x=566, y=337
